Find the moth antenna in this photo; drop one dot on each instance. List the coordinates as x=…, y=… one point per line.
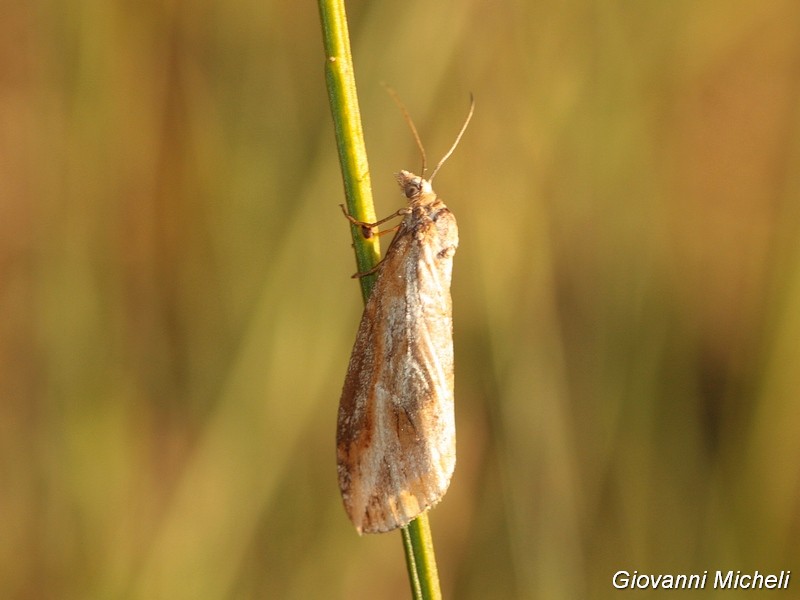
x=410, y=122
x=458, y=137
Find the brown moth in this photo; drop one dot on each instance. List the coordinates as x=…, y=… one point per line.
x=396, y=440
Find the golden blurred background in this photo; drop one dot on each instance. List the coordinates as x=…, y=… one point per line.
x=177, y=312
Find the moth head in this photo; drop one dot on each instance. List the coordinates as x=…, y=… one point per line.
x=413, y=186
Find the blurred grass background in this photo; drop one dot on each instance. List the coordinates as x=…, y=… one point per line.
x=177, y=313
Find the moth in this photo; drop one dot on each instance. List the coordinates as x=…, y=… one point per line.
x=396, y=439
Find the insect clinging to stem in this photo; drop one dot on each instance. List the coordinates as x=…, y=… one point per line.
x=395, y=438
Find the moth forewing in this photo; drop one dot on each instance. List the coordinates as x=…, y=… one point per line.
x=396, y=426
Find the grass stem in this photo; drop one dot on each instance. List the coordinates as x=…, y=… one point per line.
x=340, y=79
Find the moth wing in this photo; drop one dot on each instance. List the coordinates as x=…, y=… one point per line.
x=396, y=428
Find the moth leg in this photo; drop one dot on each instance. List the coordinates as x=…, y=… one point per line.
x=369, y=272
x=376, y=267
x=367, y=229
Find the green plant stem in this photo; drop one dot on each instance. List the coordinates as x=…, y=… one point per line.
x=340, y=79
x=421, y=560
x=343, y=97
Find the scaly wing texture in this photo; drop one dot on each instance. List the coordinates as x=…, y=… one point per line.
x=396, y=430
